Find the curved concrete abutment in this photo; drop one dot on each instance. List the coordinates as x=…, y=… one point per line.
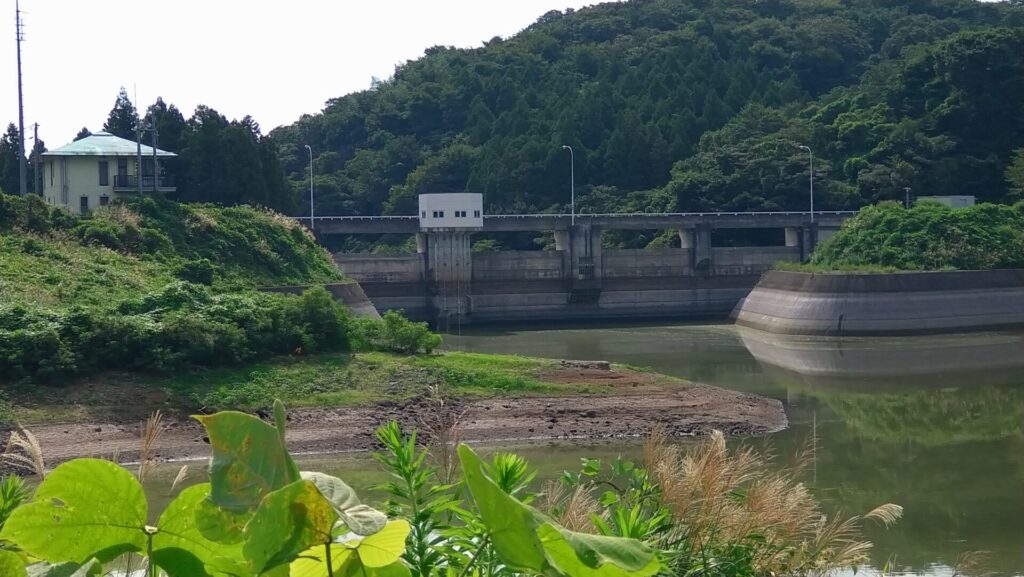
x=917, y=303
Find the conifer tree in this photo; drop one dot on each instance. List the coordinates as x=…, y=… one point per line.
x=123, y=118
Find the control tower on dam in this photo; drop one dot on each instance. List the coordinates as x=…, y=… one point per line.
x=446, y=282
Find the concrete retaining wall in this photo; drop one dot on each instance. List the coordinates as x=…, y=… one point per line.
x=645, y=263
x=741, y=260
x=518, y=265
x=884, y=304
x=381, y=268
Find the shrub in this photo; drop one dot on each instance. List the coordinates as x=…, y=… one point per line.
x=394, y=333
x=928, y=236
x=178, y=326
x=196, y=271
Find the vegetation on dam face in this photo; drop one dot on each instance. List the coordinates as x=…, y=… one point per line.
x=928, y=236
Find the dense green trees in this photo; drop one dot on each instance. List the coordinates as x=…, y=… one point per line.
x=928, y=236
x=219, y=161
x=687, y=104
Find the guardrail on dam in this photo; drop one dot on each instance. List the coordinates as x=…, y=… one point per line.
x=446, y=282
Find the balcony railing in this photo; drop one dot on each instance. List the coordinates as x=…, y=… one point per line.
x=131, y=182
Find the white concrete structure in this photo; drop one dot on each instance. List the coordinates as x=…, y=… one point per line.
x=455, y=211
x=952, y=201
x=97, y=169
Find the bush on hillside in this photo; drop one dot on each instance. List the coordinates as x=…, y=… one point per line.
x=30, y=213
x=179, y=326
x=394, y=333
x=928, y=236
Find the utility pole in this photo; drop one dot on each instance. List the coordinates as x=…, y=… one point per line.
x=156, y=167
x=36, y=181
x=138, y=155
x=19, y=28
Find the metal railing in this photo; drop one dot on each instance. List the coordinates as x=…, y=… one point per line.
x=405, y=218
x=132, y=181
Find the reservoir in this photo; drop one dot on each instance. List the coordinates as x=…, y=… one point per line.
x=935, y=424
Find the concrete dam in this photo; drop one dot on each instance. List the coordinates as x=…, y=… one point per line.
x=445, y=282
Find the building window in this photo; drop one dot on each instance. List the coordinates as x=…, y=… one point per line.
x=122, y=166
x=438, y=214
x=83, y=204
x=476, y=214
x=51, y=172
x=423, y=214
x=104, y=200
x=104, y=173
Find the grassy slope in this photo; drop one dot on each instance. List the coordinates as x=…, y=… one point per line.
x=336, y=380
x=59, y=272
x=66, y=267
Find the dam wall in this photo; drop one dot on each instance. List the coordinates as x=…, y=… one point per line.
x=535, y=286
x=445, y=281
x=913, y=303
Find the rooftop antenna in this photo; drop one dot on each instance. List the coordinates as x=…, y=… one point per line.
x=19, y=28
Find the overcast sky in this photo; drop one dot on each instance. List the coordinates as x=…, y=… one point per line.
x=274, y=60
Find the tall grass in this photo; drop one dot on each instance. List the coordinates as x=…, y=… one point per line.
x=734, y=513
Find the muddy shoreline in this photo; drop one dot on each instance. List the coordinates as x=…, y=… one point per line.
x=682, y=410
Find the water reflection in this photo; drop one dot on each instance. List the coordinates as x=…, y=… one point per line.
x=933, y=423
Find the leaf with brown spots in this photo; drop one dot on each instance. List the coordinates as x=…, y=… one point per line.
x=249, y=460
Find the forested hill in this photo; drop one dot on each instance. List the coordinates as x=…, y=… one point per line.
x=687, y=104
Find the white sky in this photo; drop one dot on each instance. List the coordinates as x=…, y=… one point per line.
x=274, y=60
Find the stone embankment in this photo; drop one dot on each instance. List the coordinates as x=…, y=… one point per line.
x=847, y=304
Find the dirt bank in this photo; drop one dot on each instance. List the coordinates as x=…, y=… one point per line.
x=635, y=402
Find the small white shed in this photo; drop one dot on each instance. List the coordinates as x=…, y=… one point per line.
x=452, y=210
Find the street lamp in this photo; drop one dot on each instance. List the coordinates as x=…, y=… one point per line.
x=811, y=167
x=312, y=225
x=572, y=184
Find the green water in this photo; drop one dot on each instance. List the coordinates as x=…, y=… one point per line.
x=935, y=424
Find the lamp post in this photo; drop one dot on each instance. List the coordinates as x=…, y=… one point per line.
x=811, y=169
x=312, y=224
x=572, y=184
x=906, y=189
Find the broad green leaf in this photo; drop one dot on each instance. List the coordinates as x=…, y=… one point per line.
x=91, y=569
x=288, y=521
x=181, y=550
x=333, y=489
x=249, y=459
x=511, y=524
x=344, y=562
x=364, y=520
x=582, y=555
x=313, y=562
x=11, y=564
x=384, y=547
x=221, y=525
x=85, y=508
x=527, y=539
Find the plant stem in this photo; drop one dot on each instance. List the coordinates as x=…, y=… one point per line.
x=479, y=551
x=149, y=555
x=330, y=567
